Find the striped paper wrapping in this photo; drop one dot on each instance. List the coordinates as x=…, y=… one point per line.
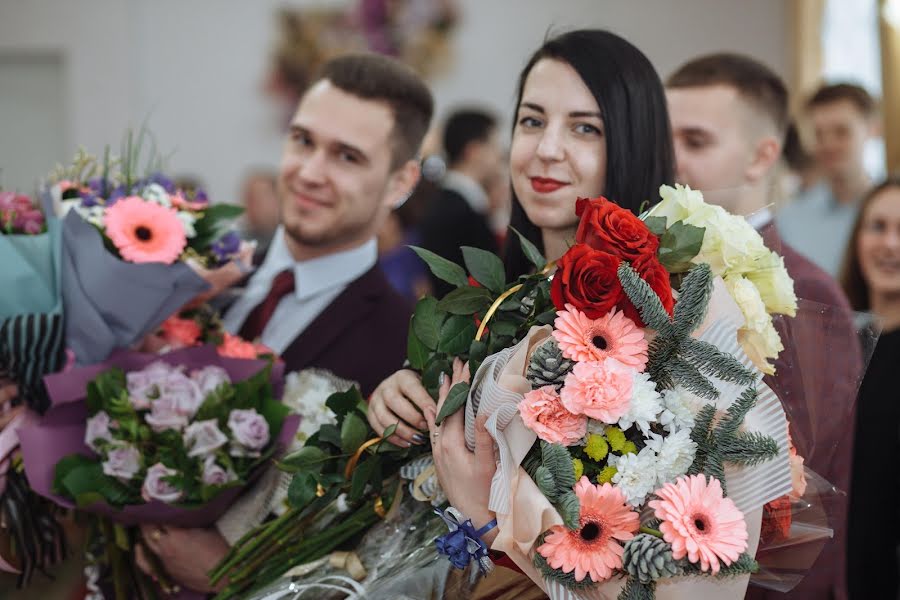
x=523, y=512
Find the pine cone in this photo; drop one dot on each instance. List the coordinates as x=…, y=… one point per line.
x=648, y=558
x=548, y=366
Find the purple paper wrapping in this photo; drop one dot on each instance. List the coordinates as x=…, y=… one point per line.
x=61, y=433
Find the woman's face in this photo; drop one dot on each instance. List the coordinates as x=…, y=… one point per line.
x=558, y=151
x=879, y=243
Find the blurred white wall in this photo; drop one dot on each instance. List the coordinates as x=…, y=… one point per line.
x=194, y=69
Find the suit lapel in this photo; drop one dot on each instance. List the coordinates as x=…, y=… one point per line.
x=351, y=306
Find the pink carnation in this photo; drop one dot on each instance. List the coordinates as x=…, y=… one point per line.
x=544, y=414
x=600, y=390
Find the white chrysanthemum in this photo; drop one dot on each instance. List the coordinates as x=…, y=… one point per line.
x=635, y=475
x=674, y=454
x=678, y=410
x=156, y=193
x=187, y=222
x=646, y=404
x=305, y=393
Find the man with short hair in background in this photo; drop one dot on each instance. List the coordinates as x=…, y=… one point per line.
x=818, y=221
x=729, y=118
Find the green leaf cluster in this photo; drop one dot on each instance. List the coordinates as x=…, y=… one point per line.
x=550, y=466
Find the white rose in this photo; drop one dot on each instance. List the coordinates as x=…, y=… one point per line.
x=677, y=203
x=749, y=301
x=760, y=345
x=209, y=378
x=123, y=462
x=776, y=288
x=204, y=437
x=97, y=429
x=165, y=414
x=213, y=474
x=187, y=223
x=157, y=488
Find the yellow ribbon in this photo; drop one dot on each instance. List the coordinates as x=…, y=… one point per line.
x=490, y=313
x=351, y=464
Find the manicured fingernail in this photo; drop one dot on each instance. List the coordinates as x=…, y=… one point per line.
x=442, y=378
x=419, y=438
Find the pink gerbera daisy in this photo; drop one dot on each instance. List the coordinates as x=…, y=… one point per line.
x=700, y=522
x=581, y=338
x=594, y=548
x=145, y=231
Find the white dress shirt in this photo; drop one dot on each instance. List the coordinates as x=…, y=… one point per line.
x=317, y=283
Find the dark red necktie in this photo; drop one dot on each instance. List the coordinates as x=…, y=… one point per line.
x=256, y=321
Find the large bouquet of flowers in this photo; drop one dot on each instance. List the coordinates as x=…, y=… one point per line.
x=170, y=439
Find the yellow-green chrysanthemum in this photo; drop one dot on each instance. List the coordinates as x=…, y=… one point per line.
x=596, y=447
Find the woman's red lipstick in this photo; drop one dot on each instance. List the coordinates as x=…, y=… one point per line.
x=543, y=185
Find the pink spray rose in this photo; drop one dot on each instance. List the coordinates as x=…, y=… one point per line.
x=543, y=412
x=122, y=462
x=600, y=390
x=97, y=429
x=157, y=488
x=250, y=431
x=204, y=437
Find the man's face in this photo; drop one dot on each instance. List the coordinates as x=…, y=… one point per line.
x=712, y=147
x=335, y=181
x=841, y=131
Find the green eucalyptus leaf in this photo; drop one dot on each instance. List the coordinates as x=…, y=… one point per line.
x=443, y=269
x=467, y=301
x=486, y=268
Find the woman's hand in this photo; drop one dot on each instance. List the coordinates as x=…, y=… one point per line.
x=8, y=412
x=465, y=476
x=188, y=555
x=401, y=399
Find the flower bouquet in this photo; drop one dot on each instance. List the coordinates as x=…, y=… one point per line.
x=169, y=440
x=160, y=247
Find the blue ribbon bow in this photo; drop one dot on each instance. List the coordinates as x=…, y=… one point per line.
x=463, y=544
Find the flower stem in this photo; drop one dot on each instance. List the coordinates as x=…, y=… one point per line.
x=651, y=531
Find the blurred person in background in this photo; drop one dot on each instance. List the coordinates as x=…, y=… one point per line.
x=259, y=196
x=818, y=221
x=729, y=117
x=460, y=214
x=871, y=278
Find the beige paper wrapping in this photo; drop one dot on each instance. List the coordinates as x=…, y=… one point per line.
x=523, y=513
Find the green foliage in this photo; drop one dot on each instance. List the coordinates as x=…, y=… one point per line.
x=302, y=490
x=343, y=403
x=426, y=322
x=81, y=478
x=657, y=225
x=546, y=483
x=635, y=590
x=567, y=580
x=559, y=461
x=307, y=458
x=456, y=399
x=353, y=432
x=457, y=334
x=467, y=301
x=486, y=268
x=678, y=245
x=215, y=222
x=569, y=508
x=442, y=268
x=530, y=250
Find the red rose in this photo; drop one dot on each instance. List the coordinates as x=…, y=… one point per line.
x=587, y=279
x=776, y=521
x=657, y=277
x=611, y=228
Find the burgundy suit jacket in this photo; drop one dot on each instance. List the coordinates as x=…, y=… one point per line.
x=360, y=336
x=816, y=378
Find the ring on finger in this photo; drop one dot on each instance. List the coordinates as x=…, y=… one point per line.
x=156, y=535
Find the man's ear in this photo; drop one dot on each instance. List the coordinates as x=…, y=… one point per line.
x=765, y=156
x=402, y=183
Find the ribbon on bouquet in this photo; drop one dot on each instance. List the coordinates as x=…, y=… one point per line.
x=523, y=512
x=463, y=543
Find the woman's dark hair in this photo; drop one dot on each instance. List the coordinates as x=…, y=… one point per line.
x=852, y=279
x=639, y=154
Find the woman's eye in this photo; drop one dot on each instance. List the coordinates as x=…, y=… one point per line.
x=529, y=122
x=587, y=129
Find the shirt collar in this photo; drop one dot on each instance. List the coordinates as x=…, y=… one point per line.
x=468, y=188
x=319, y=274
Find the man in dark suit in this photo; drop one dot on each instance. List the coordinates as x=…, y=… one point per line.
x=729, y=118
x=460, y=215
x=319, y=299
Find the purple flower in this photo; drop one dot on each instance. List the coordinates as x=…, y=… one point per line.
x=226, y=247
x=209, y=378
x=123, y=462
x=213, y=474
x=184, y=391
x=203, y=438
x=157, y=488
x=145, y=385
x=165, y=414
x=97, y=429
x=250, y=431
x=160, y=179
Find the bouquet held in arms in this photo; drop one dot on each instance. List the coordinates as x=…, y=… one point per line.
x=637, y=444
x=145, y=439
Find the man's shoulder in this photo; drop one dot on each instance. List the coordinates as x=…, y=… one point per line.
x=812, y=282
x=374, y=286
